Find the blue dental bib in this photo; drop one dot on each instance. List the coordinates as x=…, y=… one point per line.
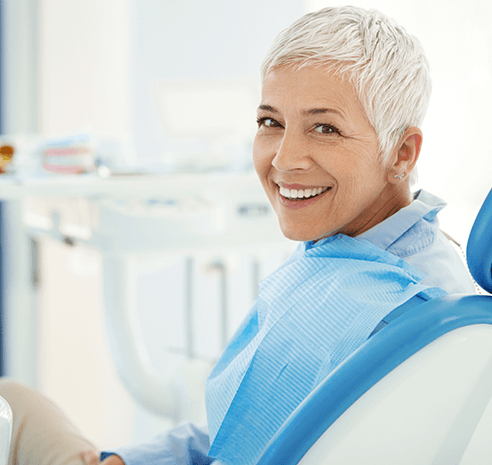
x=310, y=315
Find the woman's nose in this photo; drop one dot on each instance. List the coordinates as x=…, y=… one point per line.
x=292, y=154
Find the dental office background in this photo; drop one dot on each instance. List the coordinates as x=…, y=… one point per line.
x=167, y=85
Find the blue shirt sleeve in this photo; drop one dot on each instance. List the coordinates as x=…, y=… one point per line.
x=185, y=445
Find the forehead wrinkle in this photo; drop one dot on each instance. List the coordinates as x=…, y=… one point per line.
x=320, y=111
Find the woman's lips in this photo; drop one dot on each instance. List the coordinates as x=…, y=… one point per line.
x=295, y=196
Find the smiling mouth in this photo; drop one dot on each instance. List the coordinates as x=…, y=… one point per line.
x=302, y=194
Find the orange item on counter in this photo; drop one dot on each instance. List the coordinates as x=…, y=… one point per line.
x=6, y=154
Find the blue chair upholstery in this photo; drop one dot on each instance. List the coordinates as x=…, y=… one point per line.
x=479, y=248
x=389, y=349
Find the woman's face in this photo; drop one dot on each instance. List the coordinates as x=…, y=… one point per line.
x=317, y=157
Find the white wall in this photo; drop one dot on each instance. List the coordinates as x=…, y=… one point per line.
x=85, y=69
x=19, y=34
x=212, y=39
x=99, y=59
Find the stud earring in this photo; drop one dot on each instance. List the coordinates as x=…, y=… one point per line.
x=399, y=176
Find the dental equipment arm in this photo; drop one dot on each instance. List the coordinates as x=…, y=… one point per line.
x=168, y=394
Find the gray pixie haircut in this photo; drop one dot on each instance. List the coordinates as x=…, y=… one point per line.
x=384, y=63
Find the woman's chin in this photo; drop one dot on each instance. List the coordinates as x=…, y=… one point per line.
x=297, y=234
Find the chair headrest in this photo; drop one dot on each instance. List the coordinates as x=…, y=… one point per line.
x=479, y=248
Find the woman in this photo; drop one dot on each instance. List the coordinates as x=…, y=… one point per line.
x=344, y=93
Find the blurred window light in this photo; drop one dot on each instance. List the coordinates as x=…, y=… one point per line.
x=207, y=108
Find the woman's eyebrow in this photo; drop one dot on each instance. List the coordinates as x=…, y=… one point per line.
x=312, y=111
x=268, y=108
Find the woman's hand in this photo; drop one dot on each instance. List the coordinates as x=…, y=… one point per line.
x=89, y=457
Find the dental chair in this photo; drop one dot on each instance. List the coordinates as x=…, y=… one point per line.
x=5, y=430
x=417, y=392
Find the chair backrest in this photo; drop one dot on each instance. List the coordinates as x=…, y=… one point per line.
x=5, y=430
x=479, y=247
x=410, y=394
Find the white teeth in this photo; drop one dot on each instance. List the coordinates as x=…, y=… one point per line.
x=301, y=193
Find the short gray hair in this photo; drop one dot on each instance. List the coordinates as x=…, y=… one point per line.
x=386, y=65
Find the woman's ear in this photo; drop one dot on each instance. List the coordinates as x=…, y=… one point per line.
x=406, y=154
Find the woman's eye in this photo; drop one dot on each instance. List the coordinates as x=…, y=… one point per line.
x=268, y=122
x=326, y=129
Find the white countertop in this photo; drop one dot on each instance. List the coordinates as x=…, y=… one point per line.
x=15, y=186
